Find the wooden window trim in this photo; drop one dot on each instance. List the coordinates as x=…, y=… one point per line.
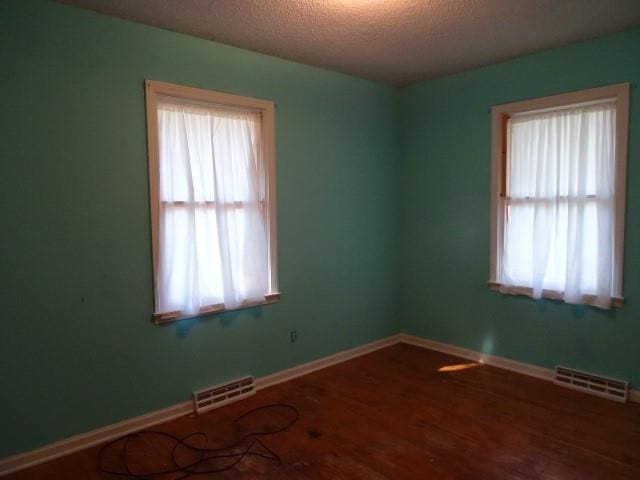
x=266, y=108
x=504, y=133
x=499, y=139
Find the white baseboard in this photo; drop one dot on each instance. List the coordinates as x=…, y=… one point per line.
x=501, y=362
x=110, y=432
x=305, y=368
x=91, y=438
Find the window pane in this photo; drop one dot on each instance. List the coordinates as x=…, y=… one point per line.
x=213, y=235
x=190, y=275
x=186, y=160
x=558, y=229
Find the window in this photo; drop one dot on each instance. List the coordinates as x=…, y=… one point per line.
x=212, y=193
x=558, y=195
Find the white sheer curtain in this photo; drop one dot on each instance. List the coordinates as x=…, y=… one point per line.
x=212, y=229
x=559, y=223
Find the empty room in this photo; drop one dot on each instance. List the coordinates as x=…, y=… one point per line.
x=320, y=239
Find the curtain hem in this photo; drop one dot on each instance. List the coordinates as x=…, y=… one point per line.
x=586, y=299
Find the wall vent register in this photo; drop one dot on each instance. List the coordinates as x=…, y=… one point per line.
x=219, y=395
x=610, y=388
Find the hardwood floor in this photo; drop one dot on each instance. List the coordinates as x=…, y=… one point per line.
x=394, y=414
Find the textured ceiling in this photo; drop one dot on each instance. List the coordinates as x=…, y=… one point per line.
x=391, y=41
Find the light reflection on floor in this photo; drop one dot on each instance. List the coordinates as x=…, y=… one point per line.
x=458, y=367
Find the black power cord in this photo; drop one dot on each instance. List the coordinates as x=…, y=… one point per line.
x=233, y=453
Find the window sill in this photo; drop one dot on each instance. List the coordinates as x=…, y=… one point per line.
x=616, y=302
x=170, y=317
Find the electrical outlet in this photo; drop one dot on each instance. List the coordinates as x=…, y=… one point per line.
x=293, y=336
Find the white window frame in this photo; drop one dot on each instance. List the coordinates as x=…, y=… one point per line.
x=266, y=109
x=619, y=93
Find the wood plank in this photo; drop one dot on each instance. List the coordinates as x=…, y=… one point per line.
x=392, y=414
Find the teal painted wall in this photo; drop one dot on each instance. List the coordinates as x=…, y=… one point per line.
x=78, y=350
x=383, y=220
x=444, y=172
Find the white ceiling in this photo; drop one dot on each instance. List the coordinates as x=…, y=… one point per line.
x=391, y=41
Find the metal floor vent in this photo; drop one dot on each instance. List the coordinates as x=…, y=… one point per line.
x=586, y=382
x=214, y=397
